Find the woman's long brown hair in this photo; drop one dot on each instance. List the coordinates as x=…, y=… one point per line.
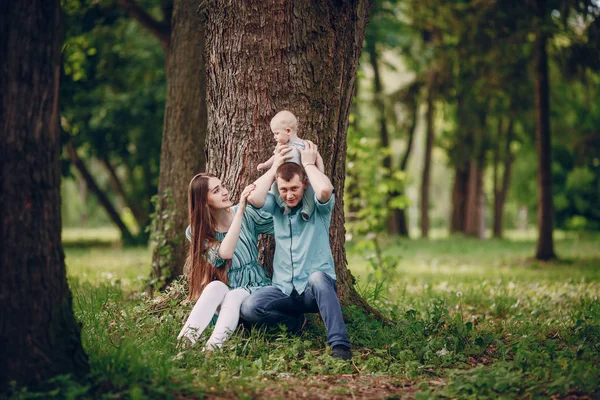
x=197, y=269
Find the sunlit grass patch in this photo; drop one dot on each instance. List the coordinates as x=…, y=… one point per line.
x=466, y=318
x=128, y=267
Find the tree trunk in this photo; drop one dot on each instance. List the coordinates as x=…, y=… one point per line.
x=384, y=137
x=399, y=215
x=182, y=152
x=545, y=242
x=501, y=191
x=472, y=196
x=427, y=158
x=495, y=180
x=39, y=336
x=126, y=235
x=475, y=204
x=272, y=55
x=160, y=29
x=475, y=212
x=134, y=205
x=459, y=199
x=460, y=155
x=83, y=215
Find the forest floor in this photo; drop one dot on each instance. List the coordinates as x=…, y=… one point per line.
x=468, y=319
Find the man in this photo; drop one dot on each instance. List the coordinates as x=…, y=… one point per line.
x=304, y=278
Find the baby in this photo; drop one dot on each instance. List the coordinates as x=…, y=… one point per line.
x=284, y=126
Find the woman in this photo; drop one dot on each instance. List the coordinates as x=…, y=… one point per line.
x=222, y=265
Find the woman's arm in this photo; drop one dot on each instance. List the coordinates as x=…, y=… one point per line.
x=229, y=243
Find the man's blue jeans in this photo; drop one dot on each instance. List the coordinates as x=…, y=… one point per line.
x=270, y=306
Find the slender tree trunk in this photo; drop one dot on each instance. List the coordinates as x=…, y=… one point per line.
x=545, y=242
x=427, y=157
x=159, y=29
x=182, y=152
x=136, y=208
x=471, y=220
x=271, y=55
x=459, y=199
x=39, y=336
x=496, y=178
x=353, y=185
x=126, y=235
x=384, y=137
x=475, y=213
x=83, y=215
x=501, y=190
x=399, y=215
x=475, y=204
x=460, y=155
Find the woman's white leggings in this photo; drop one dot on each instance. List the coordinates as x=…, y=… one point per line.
x=216, y=294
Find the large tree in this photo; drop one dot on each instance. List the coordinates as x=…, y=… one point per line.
x=184, y=133
x=112, y=99
x=39, y=337
x=266, y=56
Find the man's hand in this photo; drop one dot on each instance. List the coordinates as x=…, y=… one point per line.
x=309, y=154
x=263, y=184
x=318, y=180
x=281, y=156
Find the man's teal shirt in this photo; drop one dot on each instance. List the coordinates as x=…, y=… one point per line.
x=301, y=247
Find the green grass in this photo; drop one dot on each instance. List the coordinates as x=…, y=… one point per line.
x=519, y=329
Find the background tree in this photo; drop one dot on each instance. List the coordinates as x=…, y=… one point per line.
x=39, y=337
x=184, y=132
x=112, y=109
x=272, y=56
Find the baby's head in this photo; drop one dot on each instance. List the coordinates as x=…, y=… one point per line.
x=284, y=126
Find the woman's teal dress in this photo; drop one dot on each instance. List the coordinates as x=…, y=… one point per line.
x=245, y=271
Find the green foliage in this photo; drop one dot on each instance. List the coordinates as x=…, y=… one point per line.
x=368, y=186
x=113, y=95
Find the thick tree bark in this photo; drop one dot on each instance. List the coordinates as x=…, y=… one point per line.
x=182, y=153
x=126, y=235
x=268, y=56
x=39, y=336
x=427, y=157
x=545, y=242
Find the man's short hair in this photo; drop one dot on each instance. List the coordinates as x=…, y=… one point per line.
x=288, y=170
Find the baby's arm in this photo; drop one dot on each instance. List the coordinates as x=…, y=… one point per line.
x=266, y=165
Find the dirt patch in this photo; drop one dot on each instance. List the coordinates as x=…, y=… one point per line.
x=341, y=387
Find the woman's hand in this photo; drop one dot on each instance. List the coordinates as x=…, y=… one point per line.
x=244, y=196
